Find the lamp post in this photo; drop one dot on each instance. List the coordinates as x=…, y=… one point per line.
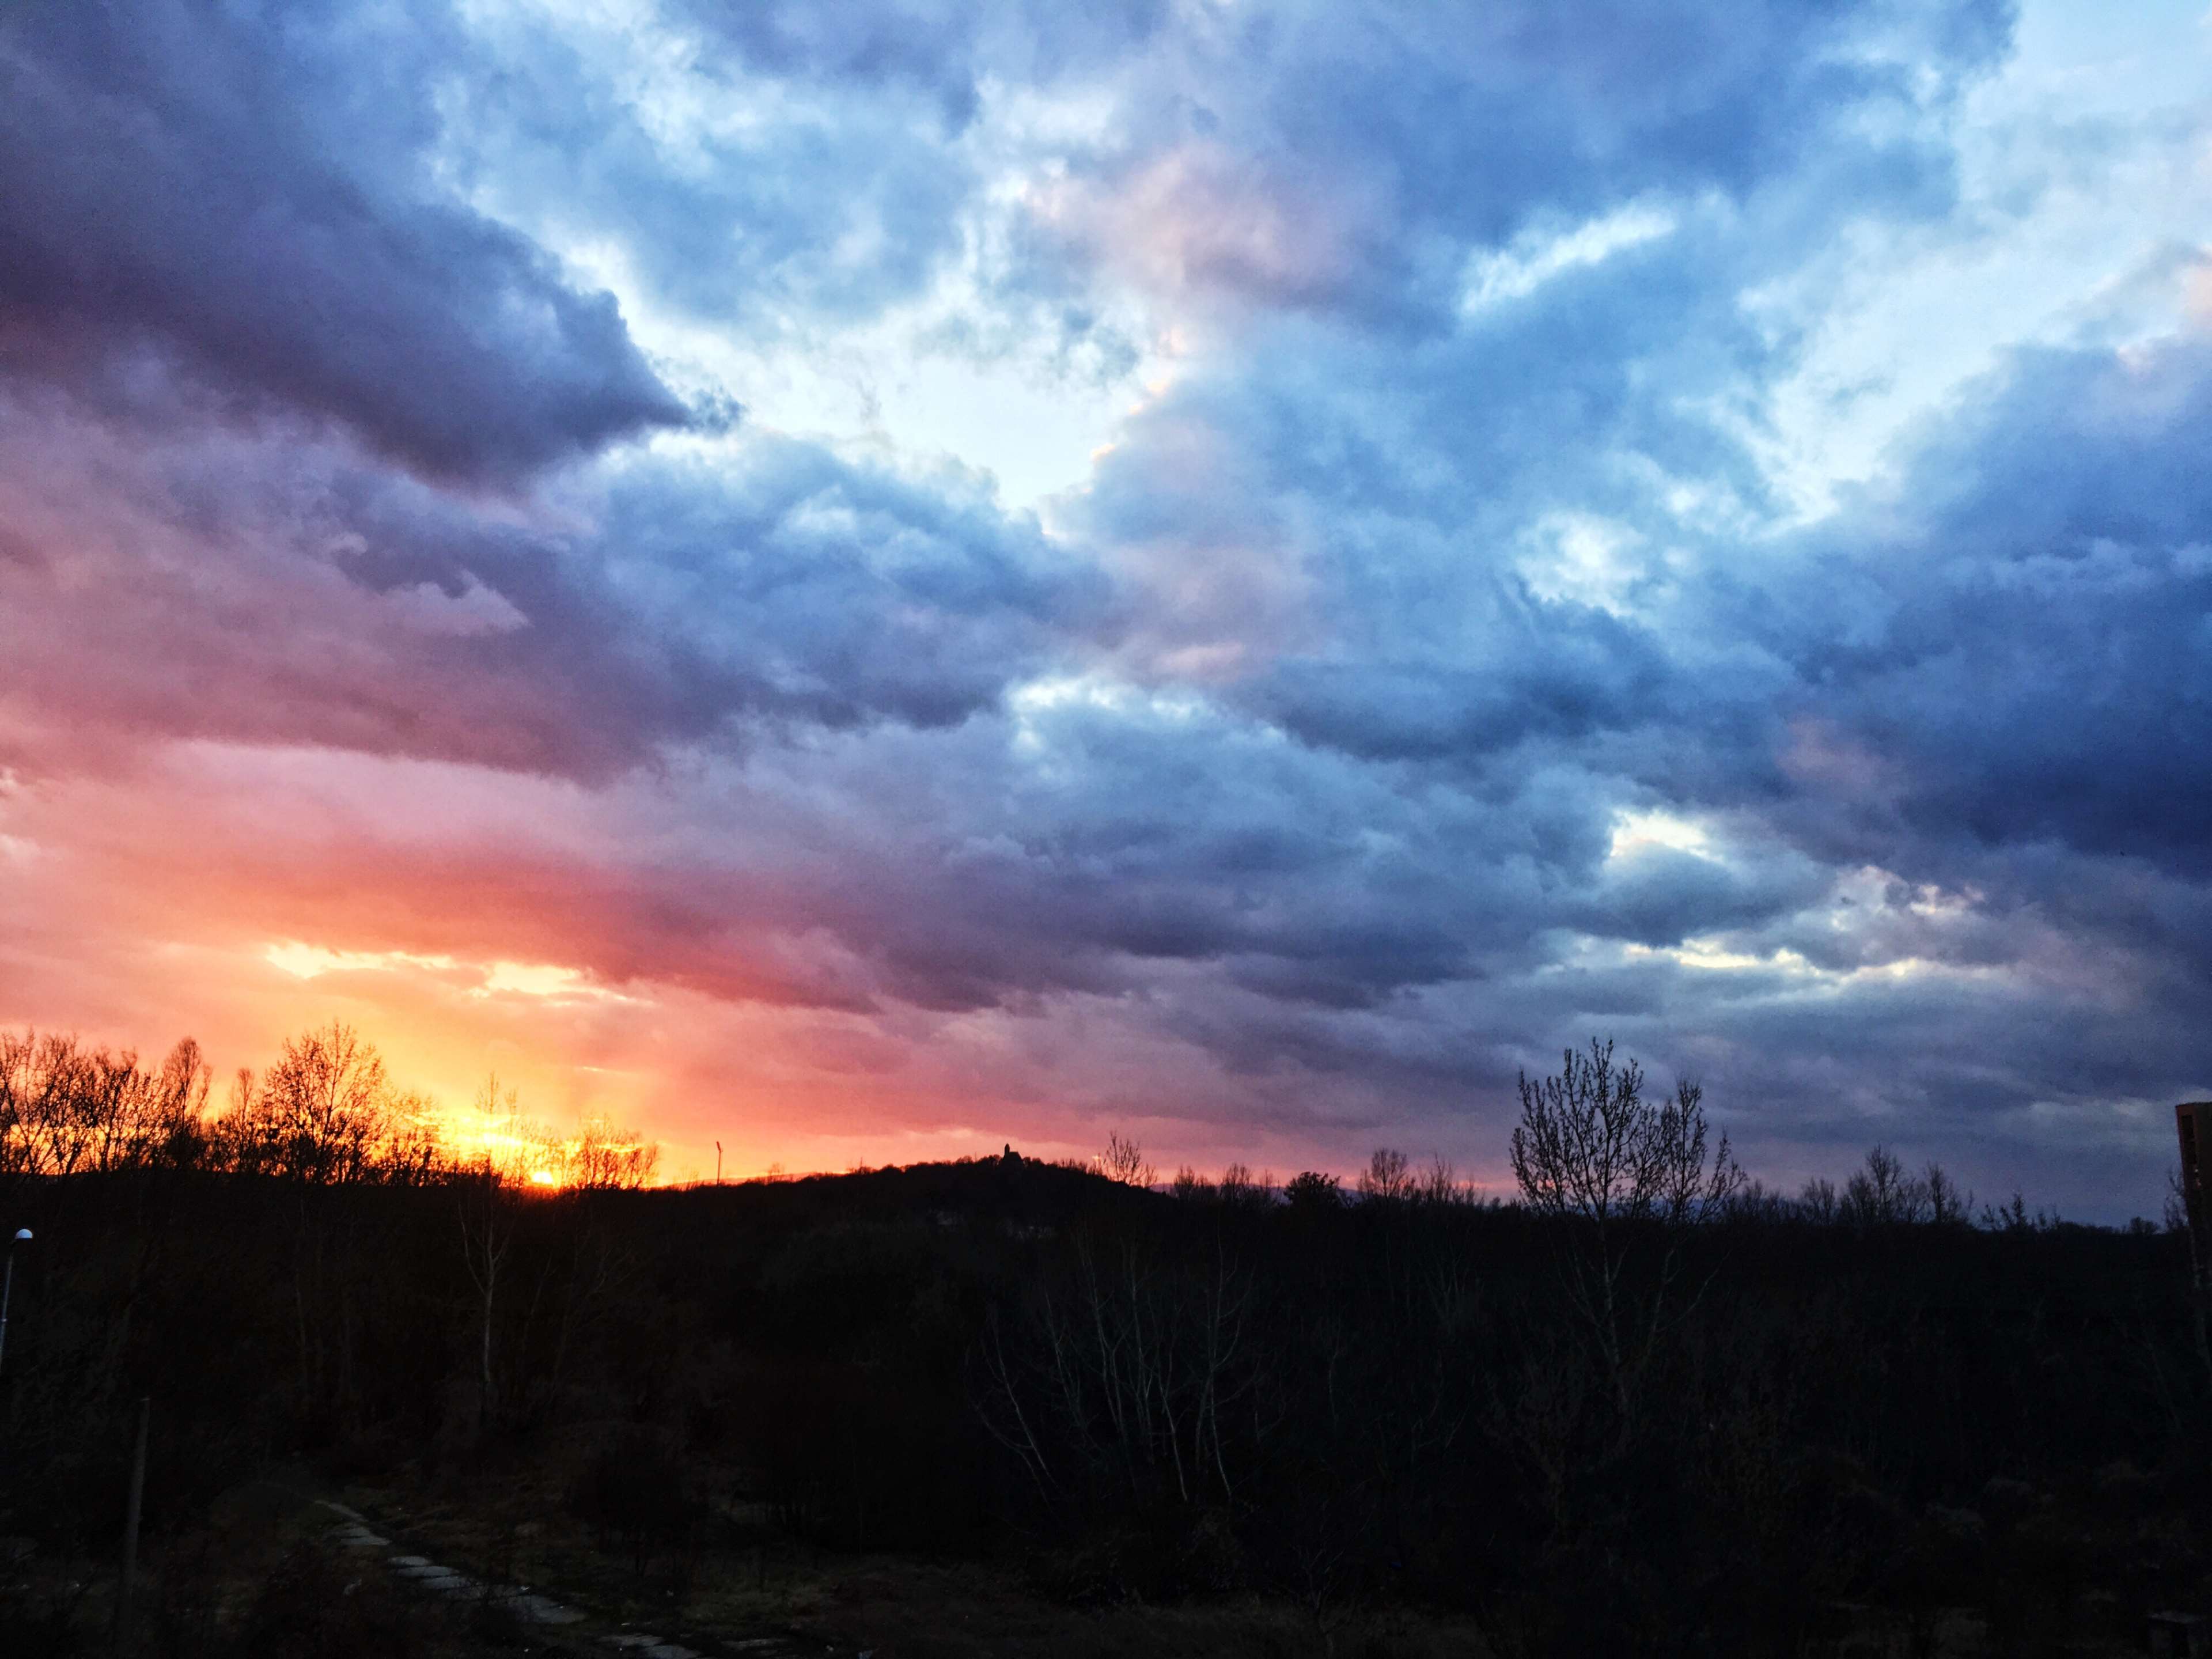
x=8, y=1287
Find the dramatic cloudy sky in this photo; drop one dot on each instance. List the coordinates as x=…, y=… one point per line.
x=866, y=580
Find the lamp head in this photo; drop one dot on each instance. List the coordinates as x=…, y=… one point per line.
x=22, y=1234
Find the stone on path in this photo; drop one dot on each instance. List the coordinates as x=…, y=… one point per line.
x=537, y=1609
x=352, y=1533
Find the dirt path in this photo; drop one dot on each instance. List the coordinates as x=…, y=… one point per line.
x=351, y=1531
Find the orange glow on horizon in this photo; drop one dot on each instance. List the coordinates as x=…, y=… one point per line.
x=468, y=980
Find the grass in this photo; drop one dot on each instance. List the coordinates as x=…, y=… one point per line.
x=746, y=1584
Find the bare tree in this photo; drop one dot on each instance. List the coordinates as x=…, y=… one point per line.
x=180, y=1102
x=1817, y=1201
x=1240, y=1188
x=1388, y=1176
x=1947, y=1206
x=320, y=1114
x=602, y=1156
x=1439, y=1183
x=1881, y=1195
x=488, y=1221
x=1124, y=1161
x=1139, y=1364
x=1620, y=1176
x=66, y=1107
x=413, y=1152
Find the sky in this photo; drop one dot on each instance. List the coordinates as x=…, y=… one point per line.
x=867, y=582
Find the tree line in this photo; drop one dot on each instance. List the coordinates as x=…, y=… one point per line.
x=1641, y=1405
x=325, y=1113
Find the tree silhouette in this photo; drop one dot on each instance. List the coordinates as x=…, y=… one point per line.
x=1124, y=1161
x=1618, y=1176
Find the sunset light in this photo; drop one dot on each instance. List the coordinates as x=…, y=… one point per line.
x=870, y=588
x=1165, y=827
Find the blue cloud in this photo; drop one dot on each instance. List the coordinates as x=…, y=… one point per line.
x=1312, y=740
x=243, y=201
x=2027, y=643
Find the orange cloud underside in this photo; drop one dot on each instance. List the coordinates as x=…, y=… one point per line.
x=469, y=922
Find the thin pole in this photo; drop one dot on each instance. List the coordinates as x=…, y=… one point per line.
x=130, y=1531
x=7, y=1293
x=2192, y=1119
x=718, y=1181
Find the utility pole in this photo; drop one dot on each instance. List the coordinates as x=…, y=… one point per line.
x=8, y=1287
x=718, y=1164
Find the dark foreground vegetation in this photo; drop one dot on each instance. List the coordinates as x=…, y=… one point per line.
x=1005, y=1406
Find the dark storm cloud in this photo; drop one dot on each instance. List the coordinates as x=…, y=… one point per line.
x=1094, y=846
x=240, y=197
x=2023, y=642
x=1551, y=673
x=844, y=593
x=251, y=590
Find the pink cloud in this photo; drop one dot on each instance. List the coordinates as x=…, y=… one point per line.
x=1202, y=222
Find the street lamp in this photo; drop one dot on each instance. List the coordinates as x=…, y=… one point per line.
x=8, y=1287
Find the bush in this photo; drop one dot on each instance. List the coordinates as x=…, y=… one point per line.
x=637, y=1495
x=320, y=1604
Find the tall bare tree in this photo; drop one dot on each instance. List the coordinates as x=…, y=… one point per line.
x=321, y=1113
x=488, y=1222
x=1619, y=1176
x=1388, y=1177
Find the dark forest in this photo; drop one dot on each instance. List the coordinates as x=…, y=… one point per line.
x=1011, y=1406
